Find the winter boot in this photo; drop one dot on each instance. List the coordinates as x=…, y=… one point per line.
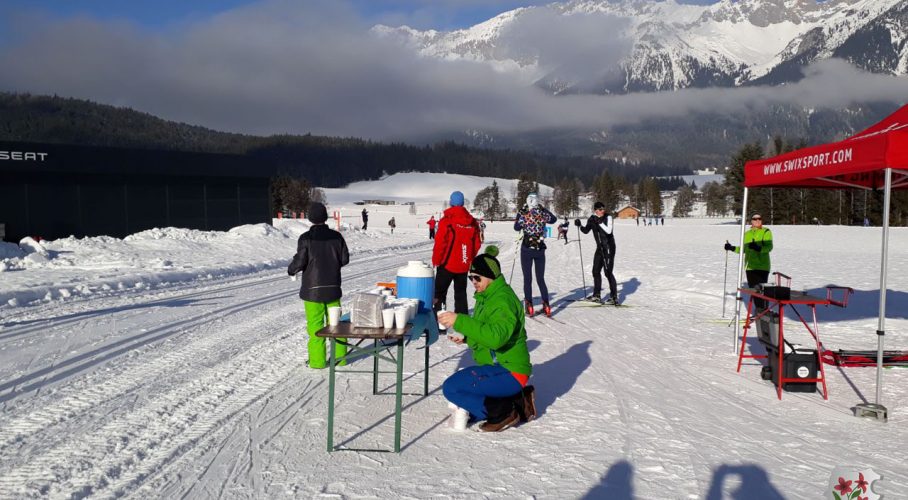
x=526, y=404
x=501, y=413
x=547, y=308
x=528, y=305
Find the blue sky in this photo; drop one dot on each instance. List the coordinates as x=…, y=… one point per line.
x=437, y=14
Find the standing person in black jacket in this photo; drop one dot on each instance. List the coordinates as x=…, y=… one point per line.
x=365, y=219
x=602, y=226
x=320, y=254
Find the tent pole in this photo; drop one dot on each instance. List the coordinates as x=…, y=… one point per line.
x=740, y=271
x=877, y=410
x=884, y=264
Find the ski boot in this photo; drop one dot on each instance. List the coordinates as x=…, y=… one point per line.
x=547, y=308
x=594, y=298
x=528, y=305
x=611, y=301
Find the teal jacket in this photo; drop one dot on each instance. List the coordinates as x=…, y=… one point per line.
x=754, y=260
x=496, y=330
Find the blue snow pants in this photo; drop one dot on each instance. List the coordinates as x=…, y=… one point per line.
x=469, y=387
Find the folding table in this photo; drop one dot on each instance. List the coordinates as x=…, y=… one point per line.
x=796, y=298
x=384, y=342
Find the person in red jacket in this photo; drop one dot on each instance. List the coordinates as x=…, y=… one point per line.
x=457, y=243
x=431, y=222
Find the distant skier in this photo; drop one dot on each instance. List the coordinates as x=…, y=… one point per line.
x=432, y=222
x=531, y=219
x=392, y=224
x=563, y=230
x=320, y=254
x=456, y=244
x=482, y=230
x=365, y=218
x=602, y=226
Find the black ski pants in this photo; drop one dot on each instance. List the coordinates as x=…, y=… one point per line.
x=443, y=279
x=604, y=261
x=530, y=257
x=754, y=278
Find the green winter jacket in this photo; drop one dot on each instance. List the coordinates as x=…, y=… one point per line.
x=496, y=329
x=754, y=260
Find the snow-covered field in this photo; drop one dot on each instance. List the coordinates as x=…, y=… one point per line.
x=170, y=364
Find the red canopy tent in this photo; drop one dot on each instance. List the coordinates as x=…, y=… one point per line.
x=876, y=158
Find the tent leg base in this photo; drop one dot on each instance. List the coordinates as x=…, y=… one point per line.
x=871, y=410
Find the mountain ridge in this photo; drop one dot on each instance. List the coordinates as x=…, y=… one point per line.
x=675, y=46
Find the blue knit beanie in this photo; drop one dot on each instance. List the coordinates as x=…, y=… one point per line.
x=456, y=199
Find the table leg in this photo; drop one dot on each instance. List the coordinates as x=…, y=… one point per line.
x=331, y=397
x=750, y=306
x=375, y=367
x=781, y=366
x=400, y=385
x=816, y=336
x=425, y=390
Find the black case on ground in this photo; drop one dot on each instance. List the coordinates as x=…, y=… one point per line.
x=805, y=360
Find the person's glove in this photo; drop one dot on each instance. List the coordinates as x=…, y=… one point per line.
x=577, y=222
x=293, y=278
x=753, y=245
x=729, y=247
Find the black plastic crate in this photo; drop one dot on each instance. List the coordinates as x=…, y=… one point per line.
x=768, y=328
x=801, y=363
x=777, y=292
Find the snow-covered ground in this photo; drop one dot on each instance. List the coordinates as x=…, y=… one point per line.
x=189, y=380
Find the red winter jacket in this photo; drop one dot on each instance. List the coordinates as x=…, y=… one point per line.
x=457, y=241
x=431, y=223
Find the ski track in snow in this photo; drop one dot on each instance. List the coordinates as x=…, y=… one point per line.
x=203, y=393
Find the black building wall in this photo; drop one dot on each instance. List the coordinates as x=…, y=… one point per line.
x=105, y=191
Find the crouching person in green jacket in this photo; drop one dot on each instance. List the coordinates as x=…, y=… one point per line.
x=495, y=390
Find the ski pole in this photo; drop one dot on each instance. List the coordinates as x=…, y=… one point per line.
x=725, y=283
x=517, y=243
x=582, y=269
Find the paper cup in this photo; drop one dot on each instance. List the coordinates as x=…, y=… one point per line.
x=400, y=317
x=387, y=317
x=459, y=419
x=412, y=307
x=334, y=316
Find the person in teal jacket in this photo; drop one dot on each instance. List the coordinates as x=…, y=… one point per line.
x=495, y=390
x=757, y=245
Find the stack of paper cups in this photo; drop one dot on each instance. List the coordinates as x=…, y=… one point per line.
x=387, y=317
x=400, y=317
x=459, y=419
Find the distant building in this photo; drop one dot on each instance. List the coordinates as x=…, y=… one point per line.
x=378, y=202
x=628, y=212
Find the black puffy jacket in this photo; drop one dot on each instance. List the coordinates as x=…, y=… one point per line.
x=320, y=254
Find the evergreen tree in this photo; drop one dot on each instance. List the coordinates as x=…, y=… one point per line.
x=685, y=202
x=734, y=174
x=525, y=186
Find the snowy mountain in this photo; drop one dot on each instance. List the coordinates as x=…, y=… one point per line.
x=650, y=45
